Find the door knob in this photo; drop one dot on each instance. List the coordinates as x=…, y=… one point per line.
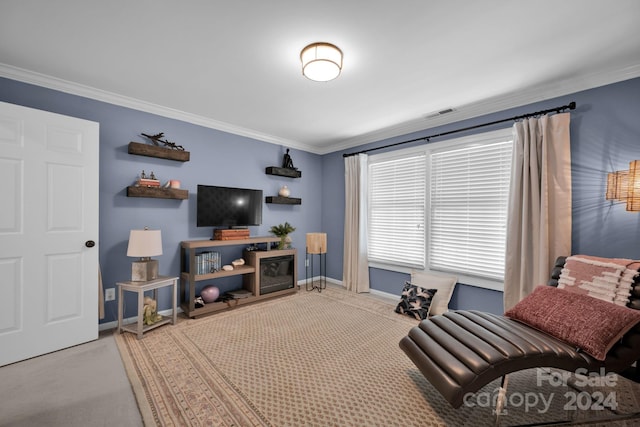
x=89, y=243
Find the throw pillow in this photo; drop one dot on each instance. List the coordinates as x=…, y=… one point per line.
x=415, y=301
x=588, y=323
x=443, y=284
x=608, y=279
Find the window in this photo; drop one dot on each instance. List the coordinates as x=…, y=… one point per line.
x=460, y=189
x=397, y=192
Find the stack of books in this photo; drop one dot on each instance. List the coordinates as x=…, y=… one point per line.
x=208, y=262
x=147, y=182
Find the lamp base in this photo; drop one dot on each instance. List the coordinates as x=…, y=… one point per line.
x=144, y=270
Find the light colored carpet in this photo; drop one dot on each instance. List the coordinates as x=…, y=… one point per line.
x=311, y=359
x=81, y=386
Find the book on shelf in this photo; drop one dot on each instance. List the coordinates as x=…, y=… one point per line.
x=208, y=262
x=145, y=182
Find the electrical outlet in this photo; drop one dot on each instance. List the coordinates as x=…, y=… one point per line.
x=110, y=294
x=306, y=263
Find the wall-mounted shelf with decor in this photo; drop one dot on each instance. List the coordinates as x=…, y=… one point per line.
x=290, y=173
x=283, y=200
x=157, y=192
x=160, y=152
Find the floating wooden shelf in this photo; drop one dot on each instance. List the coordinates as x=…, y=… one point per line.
x=283, y=200
x=157, y=192
x=290, y=173
x=160, y=152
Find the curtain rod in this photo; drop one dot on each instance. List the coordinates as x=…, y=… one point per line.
x=570, y=106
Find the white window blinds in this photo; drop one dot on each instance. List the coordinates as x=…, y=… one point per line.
x=397, y=191
x=468, y=209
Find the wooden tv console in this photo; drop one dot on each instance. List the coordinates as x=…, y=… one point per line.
x=190, y=248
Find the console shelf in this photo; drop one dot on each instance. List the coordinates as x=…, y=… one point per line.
x=188, y=252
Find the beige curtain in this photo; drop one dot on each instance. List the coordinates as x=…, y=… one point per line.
x=539, y=215
x=355, y=268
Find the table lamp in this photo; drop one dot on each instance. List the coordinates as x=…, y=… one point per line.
x=144, y=244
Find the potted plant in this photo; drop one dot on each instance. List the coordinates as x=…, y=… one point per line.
x=282, y=231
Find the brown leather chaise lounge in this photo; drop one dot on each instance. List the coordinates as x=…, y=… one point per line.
x=459, y=352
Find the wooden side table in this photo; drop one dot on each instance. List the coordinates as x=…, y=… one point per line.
x=139, y=327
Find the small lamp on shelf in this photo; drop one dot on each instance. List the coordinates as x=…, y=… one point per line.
x=144, y=244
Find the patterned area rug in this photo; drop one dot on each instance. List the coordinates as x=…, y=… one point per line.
x=324, y=359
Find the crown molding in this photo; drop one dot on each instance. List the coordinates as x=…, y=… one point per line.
x=490, y=105
x=495, y=104
x=50, y=82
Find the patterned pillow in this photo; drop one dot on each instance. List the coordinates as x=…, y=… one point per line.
x=608, y=279
x=415, y=301
x=444, y=284
x=576, y=319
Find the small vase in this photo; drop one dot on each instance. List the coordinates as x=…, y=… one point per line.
x=284, y=191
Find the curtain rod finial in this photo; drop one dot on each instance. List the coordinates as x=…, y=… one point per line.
x=572, y=105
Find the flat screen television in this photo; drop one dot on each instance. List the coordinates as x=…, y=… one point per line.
x=228, y=207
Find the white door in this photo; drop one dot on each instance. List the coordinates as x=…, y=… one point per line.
x=48, y=219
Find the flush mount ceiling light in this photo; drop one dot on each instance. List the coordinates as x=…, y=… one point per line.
x=321, y=62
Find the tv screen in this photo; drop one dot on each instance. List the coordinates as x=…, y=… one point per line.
x=228, y=207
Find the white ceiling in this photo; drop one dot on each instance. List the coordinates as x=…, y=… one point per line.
x=235, y=66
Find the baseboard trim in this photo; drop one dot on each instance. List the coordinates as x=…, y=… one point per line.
x=385, y=295
x=114, y=324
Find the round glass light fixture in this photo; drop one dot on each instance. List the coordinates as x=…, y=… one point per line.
x=321, y=62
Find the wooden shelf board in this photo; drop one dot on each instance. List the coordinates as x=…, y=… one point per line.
x=283, y=200
x=239, y=270
x=159, y=152
x=214, y=307
x=133, y=327
x=290, y=173
x=195, y=244
x=157, y=192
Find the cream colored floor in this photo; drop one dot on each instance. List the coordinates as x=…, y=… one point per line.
x=83, y=386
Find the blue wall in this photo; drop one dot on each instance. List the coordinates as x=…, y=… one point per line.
x=217, y=158
x=605, y=136
x=605, y=133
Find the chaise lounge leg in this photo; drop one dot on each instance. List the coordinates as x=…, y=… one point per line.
x=502, y=395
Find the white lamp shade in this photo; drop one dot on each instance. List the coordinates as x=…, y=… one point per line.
x=144, y=243
x=321, y=62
